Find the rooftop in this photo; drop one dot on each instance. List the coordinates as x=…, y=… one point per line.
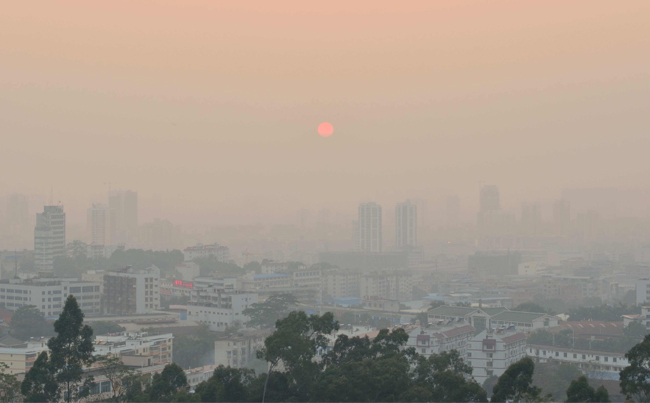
x=516, y=316
x=447, y=310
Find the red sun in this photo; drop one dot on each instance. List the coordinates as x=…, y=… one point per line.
x=325, y=129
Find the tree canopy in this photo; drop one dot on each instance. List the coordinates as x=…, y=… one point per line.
x=634, y=377
x=516, y=383
x=581, y=391
x=28, y=322
x=265, y=314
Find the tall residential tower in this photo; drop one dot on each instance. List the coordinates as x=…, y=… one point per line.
x=369, y=228
x=406, y=225
x=49, y=237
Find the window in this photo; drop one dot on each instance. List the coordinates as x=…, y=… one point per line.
x=74, y=290
x=584, y=357
x=614, y=359
x=565, y=354
x=606, y=359
x=490, y=355
x=424, y=351
x=557, y=354
x=575, y=355
x=469, y=355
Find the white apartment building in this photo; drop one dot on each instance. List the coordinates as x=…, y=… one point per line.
x=98, y=227
x=435, y=340
x=237, y=351
x=303, y=283
x=49, y=237
x=406, y=225
x=642, y=291
x=491, y=353
x=222, y=253
x=218, y=305
x=128, y=291
x=340, y=284
x=396, y=285
x=137, y=349
x=586, y=360
x=48, y=295
x=369, y=228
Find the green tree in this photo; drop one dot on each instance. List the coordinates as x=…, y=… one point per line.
x=635, y=330
x=581, y=391
x=116, y=372
x=554, y=378
x=195, y=349
x=9, y=385
x=105, y=327
x=634, y=377
x=40, y=384
x=28, y=322
x=166, y=384
x=265, y=314
x=516, y=383
x=601, y=395
x=423, y=317
x=226, y=385
x=71, y=350
x=294, y=344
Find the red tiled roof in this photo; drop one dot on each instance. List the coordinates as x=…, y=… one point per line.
x=596, y=328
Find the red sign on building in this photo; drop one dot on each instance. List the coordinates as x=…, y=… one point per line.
x=185, y=284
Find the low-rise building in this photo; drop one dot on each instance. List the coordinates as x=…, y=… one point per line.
x=237, y=351
x=20, y=359
x=391, y=284
x=137, y=349
x=491, y=352
x=586, y=360
x=446, y=314
x=523, y=321
x=48, y=295
x=381, y=304
x=437, y=339
x=221, y=309
x=340, y=284
x=199, y=251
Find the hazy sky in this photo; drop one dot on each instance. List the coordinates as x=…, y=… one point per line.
x=210, y=110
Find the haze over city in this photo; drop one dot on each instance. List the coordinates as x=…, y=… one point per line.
x=466, y=178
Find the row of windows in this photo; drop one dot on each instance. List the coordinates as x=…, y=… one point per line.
x=583, y=356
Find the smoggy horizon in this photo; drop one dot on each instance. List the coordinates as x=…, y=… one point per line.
x=210, y=112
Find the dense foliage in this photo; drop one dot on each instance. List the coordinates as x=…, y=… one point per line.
x=516, y=383
x=105, y=327
x=581, y=391
x=634, y=378
x=602, y=312
x=265, y=314
x=28, y=322
x=60, y=374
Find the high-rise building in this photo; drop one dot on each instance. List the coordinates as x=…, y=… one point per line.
x=98, y=224
x=531, y=219
x=490, y=198
x=49, y=237
x=406, y=225
x=18, y=215
x=370, y=228
x=123, y=220
x=453, y=211
x=128, y=291
x=562, y=216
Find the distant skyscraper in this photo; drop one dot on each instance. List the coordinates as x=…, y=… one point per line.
x=406, y=225
x=531, y=218
x=18, y=215
x=370, y=227
x=453, y=211
x=123, y=220
x=98, y=225
x=49, y=237
x=562, y=216
x=490, y=198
